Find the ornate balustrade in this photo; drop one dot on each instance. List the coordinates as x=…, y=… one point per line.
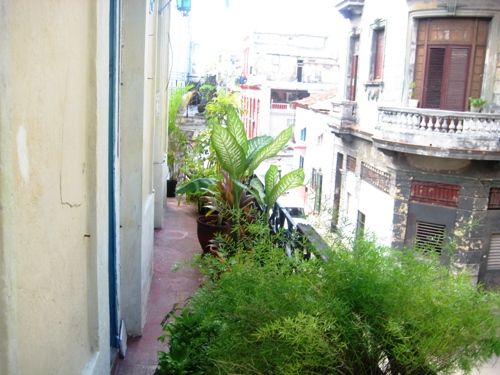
x=440, y=133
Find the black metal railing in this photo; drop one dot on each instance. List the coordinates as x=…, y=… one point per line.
x=298, y=238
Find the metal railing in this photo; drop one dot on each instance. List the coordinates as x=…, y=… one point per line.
x=280, y=106
x=298, y=237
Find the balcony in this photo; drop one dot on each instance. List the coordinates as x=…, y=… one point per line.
x=430, y=132
x=281, y=106
x=350, y=8
x=343, y=118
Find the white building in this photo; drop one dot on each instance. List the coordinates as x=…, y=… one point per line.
x=426, y=176
x=280, y=68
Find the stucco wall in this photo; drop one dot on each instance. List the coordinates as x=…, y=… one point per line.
x=160, y=112
x=53, y=262
x=137, y=115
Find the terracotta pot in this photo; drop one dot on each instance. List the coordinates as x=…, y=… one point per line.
x=207, y=230
x=171, y=185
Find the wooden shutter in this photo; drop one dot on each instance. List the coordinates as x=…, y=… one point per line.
x=354, y=77
x=456, y=79
x=464, y=41
x=379, y=54
x=435, y=70
x=494, y=255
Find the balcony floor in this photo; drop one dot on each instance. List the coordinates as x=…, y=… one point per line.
x=175, y=243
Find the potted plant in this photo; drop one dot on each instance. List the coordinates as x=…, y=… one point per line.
x=413, y=101
x=477, y=104
x=177, y=139
x=206, y=91
x=234, y=195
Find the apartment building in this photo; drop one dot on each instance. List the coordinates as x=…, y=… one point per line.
x=410, y=162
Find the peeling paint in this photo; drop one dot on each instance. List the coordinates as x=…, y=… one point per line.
x=22, y=154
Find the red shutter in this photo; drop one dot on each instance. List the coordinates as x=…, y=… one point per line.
x=379, y=54
x=434, y=79
x=456, y=84
x=354, y=77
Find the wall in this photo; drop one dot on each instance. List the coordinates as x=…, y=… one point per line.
x=136, y=150
x=53, y=187
x=160, y=112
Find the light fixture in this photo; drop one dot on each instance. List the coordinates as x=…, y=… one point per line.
x=184, y=6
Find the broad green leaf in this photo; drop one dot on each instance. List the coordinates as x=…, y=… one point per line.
x=271, y=178
x=271, y=149
x=237, y=129
x=230, y=155
x=256, y=143
x=195, y=186
x=257, y=190
x=289, y=181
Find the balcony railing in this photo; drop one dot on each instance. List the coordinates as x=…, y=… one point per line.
x=298, y=238
x=439, y=133
x=343, y=115
x=280, y=106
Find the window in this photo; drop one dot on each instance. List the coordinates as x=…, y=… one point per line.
x=494, y=254
x=351, y=163
x=429, y=236
x=301, y=162
x=300, y=66
x=360, y=224
x=449, y=61
x=352, y=77
x=377, y=66
x=318, y=187
x=303, y=134
x=320, y=140
x=446, y=78
x=494, y=199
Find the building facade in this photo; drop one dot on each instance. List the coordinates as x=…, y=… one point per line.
x=82, y=175
x=279, y=69
x=426, y=174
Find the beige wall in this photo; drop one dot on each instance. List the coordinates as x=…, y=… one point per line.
x=137, y=196
x=160, y=112
x=53, y=217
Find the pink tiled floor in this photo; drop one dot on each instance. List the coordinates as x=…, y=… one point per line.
x=175, y=243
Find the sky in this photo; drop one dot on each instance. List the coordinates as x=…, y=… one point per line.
x=225, y=22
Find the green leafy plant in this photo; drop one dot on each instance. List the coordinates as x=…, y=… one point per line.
x=177, y=139
x=366, y=310
x=238, y=157
x=413, y=90
x=478, y=103
x=268, y=193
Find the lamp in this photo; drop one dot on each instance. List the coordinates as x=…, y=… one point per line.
x=184, y=6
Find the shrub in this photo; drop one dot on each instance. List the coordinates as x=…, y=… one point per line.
x=367, y=311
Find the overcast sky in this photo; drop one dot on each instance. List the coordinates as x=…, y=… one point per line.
x=224, y=22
